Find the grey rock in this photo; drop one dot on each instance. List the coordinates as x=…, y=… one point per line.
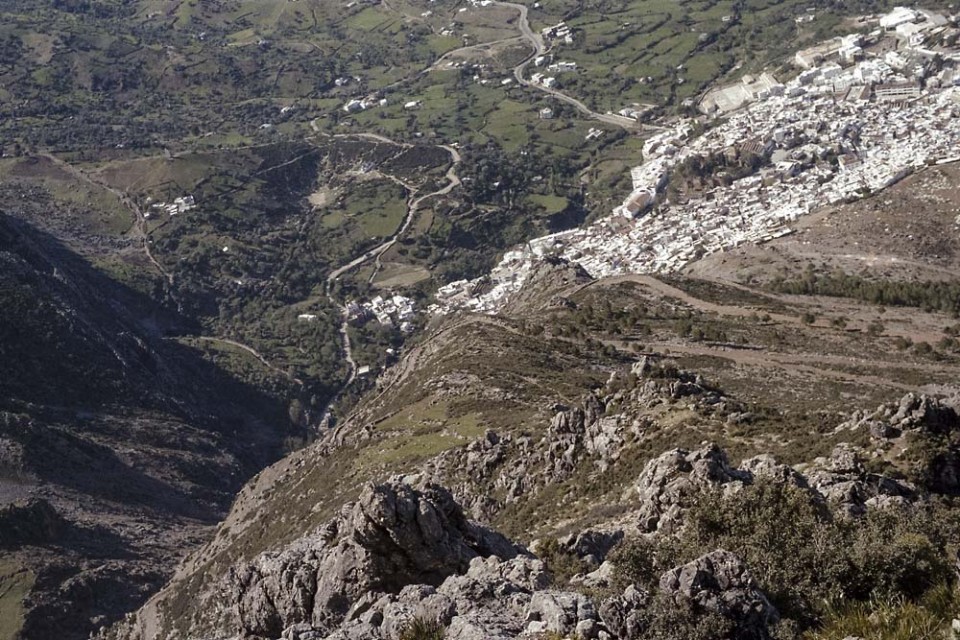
x=719, y=582
x=479, y=625
x=602, y=577
x=882, y=430
x=928, y=413
x=490, y=579
x=561, y=612
x=641, y=367
x=669, y=482
x=592, y=542
x=394, y=536
x=766, y=466
x=842, y=480
x=588, y=629
x=622, y=614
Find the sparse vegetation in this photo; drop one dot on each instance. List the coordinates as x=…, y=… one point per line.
x=885, y=560
x=561, y=564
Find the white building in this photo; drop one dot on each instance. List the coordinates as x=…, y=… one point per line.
x=897, y=17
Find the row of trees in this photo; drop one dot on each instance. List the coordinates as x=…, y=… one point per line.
x=928, y=295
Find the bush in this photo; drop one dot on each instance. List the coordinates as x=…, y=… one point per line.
x=802, y=557
x=668, y=620
x=560, y=563
x=892, y=619
x=420, y=629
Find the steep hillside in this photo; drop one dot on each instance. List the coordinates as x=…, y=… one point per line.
x=118, y=447
x=550, y=422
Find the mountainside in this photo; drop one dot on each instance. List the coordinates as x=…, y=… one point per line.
x=479, y=319
x=595, y=416
x=119, y=446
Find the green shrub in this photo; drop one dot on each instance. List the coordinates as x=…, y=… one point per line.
x=802, y=557
x=421, y=629
x=893, y=618
x=669, y=620
x=560, y=563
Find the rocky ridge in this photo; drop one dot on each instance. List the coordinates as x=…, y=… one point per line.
x=406, y=551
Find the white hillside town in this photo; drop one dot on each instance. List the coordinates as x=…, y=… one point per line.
x=835, y=133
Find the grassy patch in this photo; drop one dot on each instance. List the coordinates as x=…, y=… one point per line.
x=15, y=584
x=550, y=203
x=399, y=275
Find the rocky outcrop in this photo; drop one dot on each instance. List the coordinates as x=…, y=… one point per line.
x=591, y=545
x=843, y=480
x=719, y=582
x=564, y=613
x=911, y=412
x=495, y=598
x=33, y=521
x=589, y=433
x=392, y=537
x=935, y=419
x=670, y=482
x=622, y=614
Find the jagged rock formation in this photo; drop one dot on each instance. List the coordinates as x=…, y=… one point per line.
x=719, y=582
x=671, y=482
x=391, y=538
x=911, y=412
x=400, y=554
x=519, y=467
x=937, y=420
x=404, y=550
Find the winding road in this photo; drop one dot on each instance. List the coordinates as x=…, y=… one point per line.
x=414, y=201
x=413, y=205
x=539, y=49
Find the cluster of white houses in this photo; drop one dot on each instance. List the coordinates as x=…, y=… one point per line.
x=818, y=140
x=396, y=310
x=558, y=32
x=179, y=205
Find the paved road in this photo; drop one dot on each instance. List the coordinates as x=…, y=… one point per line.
x=452, y=182
x=539, y=49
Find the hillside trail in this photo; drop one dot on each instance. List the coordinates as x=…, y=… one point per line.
x=139, y=227
x=256, y=354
